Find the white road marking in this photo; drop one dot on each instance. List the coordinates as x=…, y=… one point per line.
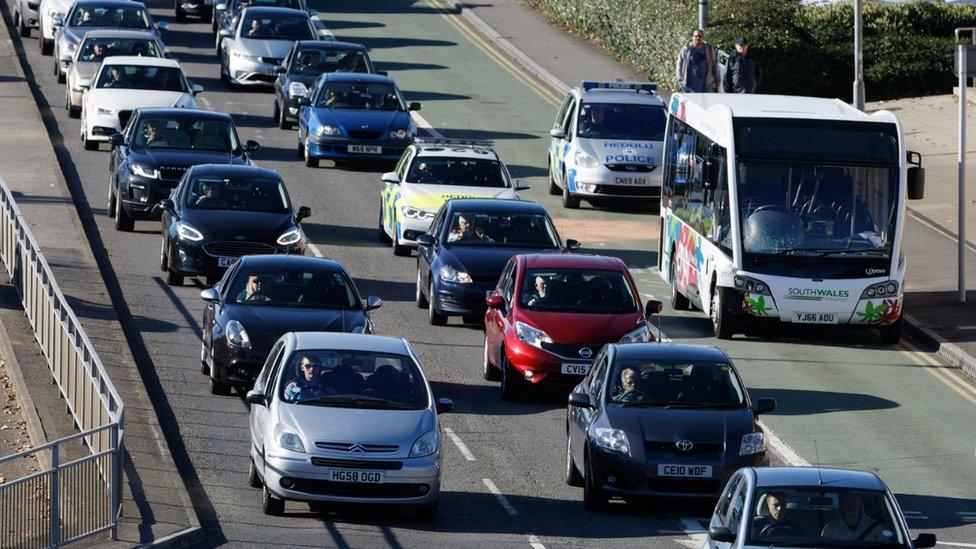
x=783, y=449
x=914, y=515
x=423, y=124
x=955, y=544
x=315, y=250
x=535, y=543
x=500, y=496
x=459, y=443
x=694, y=530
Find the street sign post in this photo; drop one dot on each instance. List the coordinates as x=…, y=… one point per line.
x=965, y=68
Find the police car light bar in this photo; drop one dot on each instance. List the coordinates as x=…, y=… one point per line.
x=450, y=141
x=649, y=87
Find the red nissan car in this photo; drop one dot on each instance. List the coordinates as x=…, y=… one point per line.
x=551, y=313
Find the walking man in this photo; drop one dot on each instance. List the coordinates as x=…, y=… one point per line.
x=742, y=73
x=695, y=69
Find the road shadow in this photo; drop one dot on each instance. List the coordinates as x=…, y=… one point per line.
x=432, y=96
x=941, y=512
x=387, y=290
x=487, y=399
x=389, y=42
x=406, y=66
x=275, y=154
x=342, y=235
x=633, y=259
x=801, y=402
x=943, y=313
x=522, y=170
x=22, y=198
x=467, y=133
x=333, y=25
x=209, y=58
x=377, y=8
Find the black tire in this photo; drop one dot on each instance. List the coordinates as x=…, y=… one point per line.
x=420, y=298
x=723, y=322
x=511, y=384
x=310, y=161
x=57, y=71
x=216, y=387
x=569, y=201
x=204, y=367
x=22, y=29
x=213, y=22
x=253, y=480
x=47, y=46
x=381, y=230
x=163, y=256
x=111, y=201
x=426, y=512
x=398, y=250
x=174, y=278
x=553, y=188
x=488, y=370
x=90, y=145
x=435, y=318
x=301, y=150
x=594, y=499
x=283, y=123
x=891, y=334
x=573, y=475
x=272, y=505
x=123, y=222
x=73, y=112
x=678, y=301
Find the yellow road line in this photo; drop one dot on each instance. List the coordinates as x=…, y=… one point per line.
x=940, y=372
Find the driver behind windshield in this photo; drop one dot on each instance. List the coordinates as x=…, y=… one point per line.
x=308, y=382
x=628, y=391
x=775, y=521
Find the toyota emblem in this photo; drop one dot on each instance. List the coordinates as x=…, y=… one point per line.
x=586, y=352
x=684, y=445
x=240, y=237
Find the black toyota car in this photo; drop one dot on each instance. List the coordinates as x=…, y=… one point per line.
x=156, y=148
x=655, y=419
x=261, y=298
x=219, y=213
x=462, y=254
x=303, y=65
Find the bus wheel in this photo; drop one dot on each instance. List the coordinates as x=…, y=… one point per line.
x=891, y=334
x=722, y=322
x=678, y=301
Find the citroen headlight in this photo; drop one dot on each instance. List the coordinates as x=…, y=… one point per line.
x=297, y=89
x=326, y=129
x=426, y=445
x=752, y=443
x=400, y=134
x=584, y=160
x=186, y=232
x=237, y=336
x=287, y=438
x=611, y=439
x=289, y=237
x=144, y=171
x=533, y=336
x=415, y=213
x=104, y=111
x=639, y=335
x=450, y=274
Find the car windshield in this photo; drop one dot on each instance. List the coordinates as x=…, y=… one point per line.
x=377, y=96
x=142, y=77
x=592, y=291
x=294, y=287
x=675, y=383
x=246, y=194
x=315, y=61
x=819, y=516
x=475, y=172
x=276, y=26
x=353, y=379
x=185, y=133
x=114, y=17
x=97, y=49
x=621, y=121
x=528, y=230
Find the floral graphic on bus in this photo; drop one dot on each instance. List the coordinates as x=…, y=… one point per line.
x=688, y=255
x=885, y=312
x=755, y=305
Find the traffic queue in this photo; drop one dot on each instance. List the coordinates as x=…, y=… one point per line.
x=339, y=414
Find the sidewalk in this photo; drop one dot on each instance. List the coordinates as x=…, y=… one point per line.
x=156, y=504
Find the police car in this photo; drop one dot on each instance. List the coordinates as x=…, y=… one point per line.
x=607, y=142
x=430, y=172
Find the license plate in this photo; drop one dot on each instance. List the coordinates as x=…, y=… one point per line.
x=365, y=149
x=225, y=261
x=696, y=471
x=630, y=181
x=815, y=318
x=345, y=475
x=575, y=369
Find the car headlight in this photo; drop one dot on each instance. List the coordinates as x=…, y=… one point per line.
x=186, y=232
x=326, y=129
x=611, y=439
x=287, y=438
x=415, y=213
x=289, y=237
x=237, y=336
x=752, y=443
x=426, y=445
x=639, y=335
x=144, y=171
x=450, y=274
x=297, y=89
x=584, y=160
x=104, y=111
x=400, y=134
x=533, y=336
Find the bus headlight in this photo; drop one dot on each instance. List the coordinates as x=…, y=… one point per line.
x=751, y=285
x=888, y=288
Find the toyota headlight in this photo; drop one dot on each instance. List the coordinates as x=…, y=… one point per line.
x=639, y=335
x=297, y=89
x=237, y=336
x=415, y=213
x=144, y=171
x=426, y=445
x=584, y=160
x=289, y=237
x=400, y=134
x=187, y=232
x=287, y=438
x=752, y=443
x=450, y=274
x=104, y=111
x=326, y=129
x=611, y=439
x=533, y=336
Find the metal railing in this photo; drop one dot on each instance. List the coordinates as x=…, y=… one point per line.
x=66, y=500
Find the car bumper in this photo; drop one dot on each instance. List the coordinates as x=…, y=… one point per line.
x=197, y=6
x=141, y=196
x=30, y=14
x=460, y=299
x=407, y=230
x=608, y=184
x=538, y=365
x=245, y=72
x=194, y=259
x=333, y=148
x=236, y=365
x=100, y=126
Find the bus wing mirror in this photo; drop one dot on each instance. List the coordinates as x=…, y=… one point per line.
x=916, y=176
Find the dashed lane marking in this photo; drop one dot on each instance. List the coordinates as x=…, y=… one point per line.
x=535, y=543
x=461, y=446
x=955, y=544
x=423, y=124
x=507, y=505
x=315, y=250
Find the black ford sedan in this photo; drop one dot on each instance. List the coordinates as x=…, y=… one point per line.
x=462, y=254
x=155, y=149
x=220, y=213
x=263, y=297
x=655, y=419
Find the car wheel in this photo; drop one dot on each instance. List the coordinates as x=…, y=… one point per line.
x=122, y=220
x=398, y=250
x=553, y=188
x=283, y=123
x=90, y=144
x=511, y=384
x=204, y=368
x=310, y=161
x=73, y=112
x=22, y=28
x=488, y=370
x=381, y=229
x=47, y=46
x=569, y=201
x=213, y=22
x=593, y=497
x=272, y=504
x=573, y=475
x=216, y=387
x=301, y=148
x=436, y=318
x=426, y=512
x=57, y=70
x=174, y=278
x=722, y=322
x=891, y=334
x=111, y=201
x=253, y=480
x=163, y=260
x=678, y=301
x=420, y=298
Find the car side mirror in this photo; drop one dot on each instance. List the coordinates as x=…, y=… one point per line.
x=57, y=21
x=414, y=106
x=66, y=58
x=226, y=33
x=445, y=405
x=373, y=303
x=572, y=244
x=521, y=185
x=765, y=405
x=116, y=139
x=557, y=133
x=391, y=177
x=580, y=400
x=721, y=534
x=166, y=204
x=280, y=69
x=303, y=212
x=84, y=83
x=162, y=26
x=426, y=240
x=255, y=396
x=195, y=88
x=653, y=307
x=209, y=295
x=495, y=301
x=251, y=145
x=304, y=101
x=221, y=7
x=924, y=540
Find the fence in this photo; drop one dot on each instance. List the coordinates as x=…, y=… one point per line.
x=67, y=499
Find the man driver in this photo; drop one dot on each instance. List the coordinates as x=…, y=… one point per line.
x=253, y=291
x=465, y=231
x=308, y=381
x=853, y=523
x=777, y=522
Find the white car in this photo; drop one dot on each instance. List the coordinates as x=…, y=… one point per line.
x=126, y=83
x=431, y=172
x=46, y=12
x=607, y=143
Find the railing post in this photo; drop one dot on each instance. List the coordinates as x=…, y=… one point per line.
x=55, y=504
x=116, y=478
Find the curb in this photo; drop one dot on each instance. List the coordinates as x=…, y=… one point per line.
x=35, y=430
x=949, y=352
x=184, y=538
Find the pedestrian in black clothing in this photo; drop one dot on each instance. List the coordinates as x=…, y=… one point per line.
x=742, y=73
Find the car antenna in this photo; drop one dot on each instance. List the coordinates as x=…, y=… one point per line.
x=816, y=454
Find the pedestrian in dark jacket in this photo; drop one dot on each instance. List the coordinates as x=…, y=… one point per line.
x=742, y=73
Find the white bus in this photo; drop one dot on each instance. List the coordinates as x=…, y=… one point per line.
x=787, y=209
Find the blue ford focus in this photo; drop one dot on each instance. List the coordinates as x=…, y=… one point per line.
x=354, y=116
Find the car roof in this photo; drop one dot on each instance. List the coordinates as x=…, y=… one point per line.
x=456, y=151
x=604, y=95
x=119, y=33
x=778, y=106
x=817, y=476
x=330, y=45
x=141, y=61
x=671, y=351
x=110, y=3
x=495, y=205
x=176, y=112
x=235, y=170
x=356, y=77
x=572, y=261
x=344, y=341
x=292, y=260
x=273, y=9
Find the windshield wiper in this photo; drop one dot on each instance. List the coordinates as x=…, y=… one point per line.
x=817, y=253
x=350, y=399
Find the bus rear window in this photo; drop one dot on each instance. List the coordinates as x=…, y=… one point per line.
x=823, y=141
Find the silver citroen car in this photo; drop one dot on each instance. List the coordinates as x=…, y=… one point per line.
x=339, y=417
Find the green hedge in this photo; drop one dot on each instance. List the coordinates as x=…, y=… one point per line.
x=803, y=49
